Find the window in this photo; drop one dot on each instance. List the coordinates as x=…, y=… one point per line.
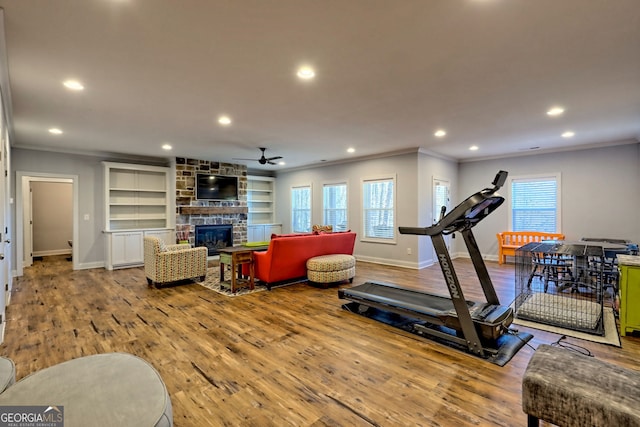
x=535, y=203
x=334, y=201
x=301, y=209
x=378, y=208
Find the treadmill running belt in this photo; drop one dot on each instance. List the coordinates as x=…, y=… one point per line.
x=427, y=304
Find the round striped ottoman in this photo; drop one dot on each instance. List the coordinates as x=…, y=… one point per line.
x=327, y=269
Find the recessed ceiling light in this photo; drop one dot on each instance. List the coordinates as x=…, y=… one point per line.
x=55, y=131
x=224, y=120
x=568, y=134
x=440, y=133
x=351, y=150
x=281, y=163
x=166, y=147
x=555, y=111
x=73, y=85
x=473, y=148
x=306, y=72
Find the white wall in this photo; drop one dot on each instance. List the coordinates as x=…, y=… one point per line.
x=91, y=246
x=413, y=171
x=431, y=168
x=600, y=189
x=600, y=192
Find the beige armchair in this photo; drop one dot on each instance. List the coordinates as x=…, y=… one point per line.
x=170, y=263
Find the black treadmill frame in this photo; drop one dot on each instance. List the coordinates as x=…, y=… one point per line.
x=461, y=219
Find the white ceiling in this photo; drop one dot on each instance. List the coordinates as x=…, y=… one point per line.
x=389, y=74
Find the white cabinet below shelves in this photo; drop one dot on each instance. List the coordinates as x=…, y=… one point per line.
x=126, y=249
x=262, y=232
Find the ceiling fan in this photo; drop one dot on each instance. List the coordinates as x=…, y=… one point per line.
x=264, y=160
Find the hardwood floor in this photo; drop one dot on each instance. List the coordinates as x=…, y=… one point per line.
x=291, y=356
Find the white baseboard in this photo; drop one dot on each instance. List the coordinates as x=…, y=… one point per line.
x=90, y=265
x=52, y=252
x=395, y=263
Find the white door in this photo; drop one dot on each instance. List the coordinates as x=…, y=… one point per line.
x=4, y=248
x=8, y=230
x=27, y=215
x=441, y=197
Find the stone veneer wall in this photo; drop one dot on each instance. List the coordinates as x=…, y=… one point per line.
x=218, y=212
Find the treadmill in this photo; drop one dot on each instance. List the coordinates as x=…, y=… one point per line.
x=479, y=328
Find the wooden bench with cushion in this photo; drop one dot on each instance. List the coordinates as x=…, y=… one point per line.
x=509, y=241
x=565, y=388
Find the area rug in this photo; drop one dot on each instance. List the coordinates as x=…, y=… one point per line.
x=610, y=337
x=212, y=282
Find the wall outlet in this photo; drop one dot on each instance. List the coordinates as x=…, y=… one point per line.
x=408, y=251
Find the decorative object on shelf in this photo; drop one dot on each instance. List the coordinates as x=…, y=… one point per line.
x=182, y=236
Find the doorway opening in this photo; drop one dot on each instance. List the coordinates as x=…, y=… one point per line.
x=441, y=199
x=26, y=181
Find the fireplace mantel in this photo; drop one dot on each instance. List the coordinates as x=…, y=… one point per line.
x=208, y=210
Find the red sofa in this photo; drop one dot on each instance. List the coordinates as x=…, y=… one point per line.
x=286, y=258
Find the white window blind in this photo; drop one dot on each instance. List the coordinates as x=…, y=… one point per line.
x=334, y=199
x=378, y=208
x=535, y=204
x=301, y=209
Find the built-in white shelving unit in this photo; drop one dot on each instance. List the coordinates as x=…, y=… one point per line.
x=137, y=203
x=261, y=203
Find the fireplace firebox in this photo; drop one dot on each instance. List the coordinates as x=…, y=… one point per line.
x=214, y=237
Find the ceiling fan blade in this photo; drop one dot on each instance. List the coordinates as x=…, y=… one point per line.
x=274, y=158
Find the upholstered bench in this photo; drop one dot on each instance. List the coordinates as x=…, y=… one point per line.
x=570, y=389
x=327, y=269
x=112, y=389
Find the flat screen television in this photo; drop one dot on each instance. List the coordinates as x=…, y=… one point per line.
x=216, y=187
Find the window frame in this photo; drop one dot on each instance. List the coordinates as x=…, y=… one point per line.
x=310, y=209
x=531, y=178
x=346, y=208
x=372, y=239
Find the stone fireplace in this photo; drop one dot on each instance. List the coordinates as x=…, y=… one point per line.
x=214, y=237
x=192, y=213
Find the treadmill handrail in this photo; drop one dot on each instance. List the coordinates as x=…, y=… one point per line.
x=467, y=214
